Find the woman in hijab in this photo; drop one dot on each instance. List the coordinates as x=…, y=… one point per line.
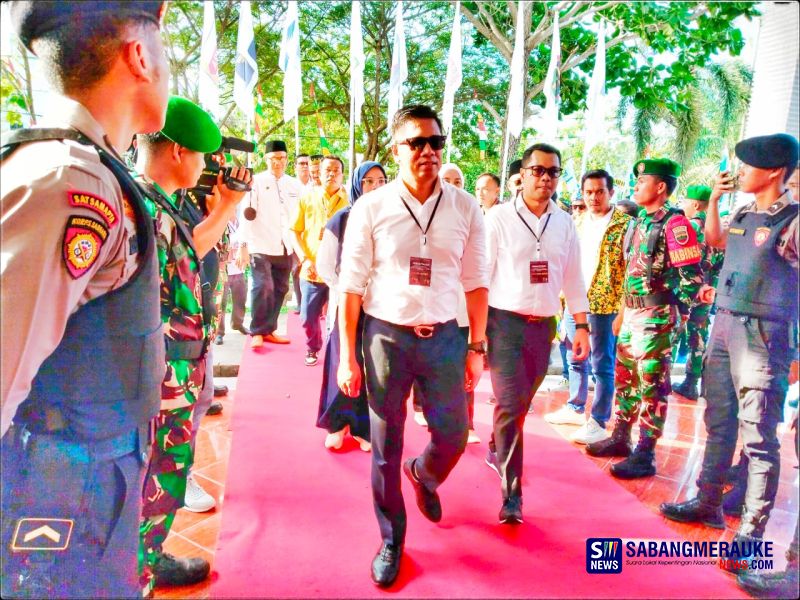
x=339, y=413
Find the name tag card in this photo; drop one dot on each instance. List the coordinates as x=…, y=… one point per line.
x=419, y=271
x=539, y=271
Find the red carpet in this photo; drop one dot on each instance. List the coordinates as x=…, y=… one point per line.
x=298, y=519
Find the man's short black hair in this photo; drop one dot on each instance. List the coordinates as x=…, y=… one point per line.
x=629, y=207
x=540, y=147
x=599, y=174
x=301, y=156
x=671, y=182
x=316, y=158
x=413, y=112
x=494, y=178
x=333, y=157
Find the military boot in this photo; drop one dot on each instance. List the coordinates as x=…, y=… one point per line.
x=171, y=570
x=696, y=510
x=769, y=584
x=733, y=500
x=619, y=444
x=688, y=388
x=641, y=463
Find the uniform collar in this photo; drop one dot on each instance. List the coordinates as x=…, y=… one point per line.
x=77, y=116
x=782, y=202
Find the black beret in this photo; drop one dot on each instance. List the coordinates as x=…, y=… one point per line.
x=514, y=167
x=275, y=146
x=32, y=20
x=768, y=151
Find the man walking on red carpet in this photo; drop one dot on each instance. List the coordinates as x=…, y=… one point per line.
x=408, y=247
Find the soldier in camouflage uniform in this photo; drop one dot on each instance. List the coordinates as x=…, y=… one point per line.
x=662, y=282
x=695, y=333
x=170, y=160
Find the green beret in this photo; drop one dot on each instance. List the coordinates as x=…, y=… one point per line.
x=698, y=192
x=190, y=126
x=768, y=151
x=33, y=20
x=657, y=166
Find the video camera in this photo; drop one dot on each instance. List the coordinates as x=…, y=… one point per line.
x=209, y=177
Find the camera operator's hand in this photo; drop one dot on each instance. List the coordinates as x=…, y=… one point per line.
x=227, y=195
x=212, y=200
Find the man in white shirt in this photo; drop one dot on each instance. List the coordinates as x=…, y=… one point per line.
x=301, y=169
x=534, y=255
x=487, y=190
x=267, y=243
x=407, y=247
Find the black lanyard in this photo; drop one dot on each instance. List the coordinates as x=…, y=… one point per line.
x=539, y=237
x=433, y=214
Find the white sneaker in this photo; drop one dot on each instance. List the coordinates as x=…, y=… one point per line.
x=589, y=433
x=561, y=386
x=197, y=499
x=473, y=438
x=565, y=416
x=419, y=418
x=363, y=444
x=334, y=440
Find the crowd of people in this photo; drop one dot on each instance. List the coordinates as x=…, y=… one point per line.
x=425, y=285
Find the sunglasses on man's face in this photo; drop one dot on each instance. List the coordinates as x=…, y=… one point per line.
x=554, y=172
x=436, y=142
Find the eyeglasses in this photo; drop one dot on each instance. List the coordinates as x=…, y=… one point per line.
x=371, y=181
x=436, y=142
x=554, y=172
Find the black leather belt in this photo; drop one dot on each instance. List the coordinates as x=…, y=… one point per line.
x=421, y=331
x=659, y=299
x=522, y=317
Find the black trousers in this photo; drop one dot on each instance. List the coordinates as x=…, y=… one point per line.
x=394, y=357
x=236, y=290
x=270, y=284
x=518, y=355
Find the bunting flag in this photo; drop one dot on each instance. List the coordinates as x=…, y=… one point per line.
x=289, y=63
x=516, y=95
x=260, y=114
x=453, y=79
x=483, y=138
x=594, y=121
x=208, y=86
x=552, y=86
x=323, y=141
x=399, y=72
x=357, y=61
x=246, y=74
x=569, y=181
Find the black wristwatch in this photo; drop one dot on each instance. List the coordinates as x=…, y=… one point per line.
x=479, y=347
x=582, y=326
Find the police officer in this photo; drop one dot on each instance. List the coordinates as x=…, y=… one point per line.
x=695, y=333
x=662, y=283
x=79, y=297
x=754, y=337
x=170, y=160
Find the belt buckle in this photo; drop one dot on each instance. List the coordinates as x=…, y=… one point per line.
x=423, y=331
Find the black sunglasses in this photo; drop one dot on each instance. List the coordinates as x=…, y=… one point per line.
x=554, y=172
x=418, y=143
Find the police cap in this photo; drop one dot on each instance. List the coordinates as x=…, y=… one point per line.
x=698, y=192
x=32, y=20
x=275, y=146
x=663, y=167
x=768, y=151
x=190, y=126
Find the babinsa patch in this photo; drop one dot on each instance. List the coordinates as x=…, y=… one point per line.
x=83, y=238
x=682, y=245
x=94, y=203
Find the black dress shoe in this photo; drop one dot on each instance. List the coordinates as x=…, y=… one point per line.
x=220, y=390
x=427, y=501
x=694, y=511
x=511, y=513
x=170, y=570
x=769, y=584
x=642, y=463
x=386, y=565
x=214, y=409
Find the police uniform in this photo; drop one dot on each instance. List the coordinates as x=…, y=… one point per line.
x=752, y=343
x=79, y=296
x=695, y=334
x=662, y=281
x=186, y=325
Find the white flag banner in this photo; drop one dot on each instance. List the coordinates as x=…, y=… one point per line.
x=399, y=71
x=246, y=75
x=552, y=87
x=454, y=75
x=208, y=86
x=516, y=95
x=596, y=99
x=357, y=60
x=289, y=62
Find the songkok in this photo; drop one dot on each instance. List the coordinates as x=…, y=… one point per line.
x=275, y=146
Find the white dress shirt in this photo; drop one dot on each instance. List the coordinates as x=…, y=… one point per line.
x=512, y=247
x=382, y=237
x=275, y=202
x=591, y=235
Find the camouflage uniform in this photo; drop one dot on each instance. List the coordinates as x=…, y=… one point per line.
x=667, y=270
x=695, y=334
x=186, y=334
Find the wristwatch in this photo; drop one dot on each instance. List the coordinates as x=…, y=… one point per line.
x=479, y=347
x=582, y=326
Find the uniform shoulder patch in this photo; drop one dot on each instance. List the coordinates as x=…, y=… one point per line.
x=682, y=245
x=83, y=238
x=94, y=203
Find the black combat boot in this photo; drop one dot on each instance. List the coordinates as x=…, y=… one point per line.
x=769, y=584
x=171, y=570
x=694, y=511
x=619, y=444
x=733, y=500
x=641, y=463
x=688, y=388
